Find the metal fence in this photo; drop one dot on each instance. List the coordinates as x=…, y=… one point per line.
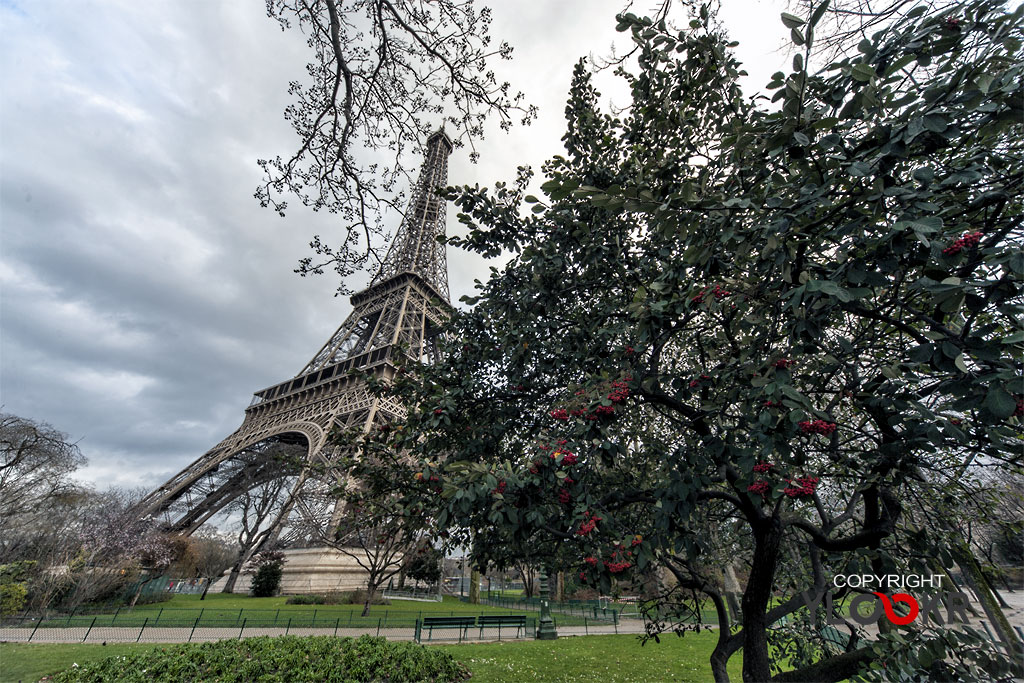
x=184, y=625
x=590, y=609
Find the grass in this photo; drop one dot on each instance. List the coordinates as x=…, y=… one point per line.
x=610, y=659
x=230, y=610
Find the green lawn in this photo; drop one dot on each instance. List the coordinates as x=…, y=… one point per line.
x=231, y=610
x=604, y=658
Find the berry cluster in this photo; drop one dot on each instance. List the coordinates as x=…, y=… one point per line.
x=801, y=487
x=968, y=241
x=592, y=561
x=952, y=23
x=763, y=467
x=620, y=392
x=784, y=363
x=1019, y=411
x=500, y=488
x=535, y=469
x=772, y=404
x=565, y=497
x=817, y=427
x=718, y=292
x=696, y=382
x=760, y=487
x=560, y=414
x=617, y=562
x=568, y=458
x=590, y=521
x=604, y=410
x=438, y=411
x=637, y=540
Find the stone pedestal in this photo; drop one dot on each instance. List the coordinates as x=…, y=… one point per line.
x=310, y=570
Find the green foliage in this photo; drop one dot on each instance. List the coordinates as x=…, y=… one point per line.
x=286, y=658
x=12, y=597
x=267, y=579
x=425, y=565
x=784, y=336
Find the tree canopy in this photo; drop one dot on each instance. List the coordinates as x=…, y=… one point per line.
x=783, y=334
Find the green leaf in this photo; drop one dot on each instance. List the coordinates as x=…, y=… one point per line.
x=798, y=62
x=863, y=72
x=819, y=11
x=1000, y=403
x=859, y=169
x=530, y=199
x=791, y=20
x=959, y=362
x=797, y=36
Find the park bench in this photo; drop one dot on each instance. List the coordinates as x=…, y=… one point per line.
x=430, y=623
x=517, y=620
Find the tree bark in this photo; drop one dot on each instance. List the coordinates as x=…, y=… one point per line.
x=767, y=538
x=474, y=587
x=972, y=574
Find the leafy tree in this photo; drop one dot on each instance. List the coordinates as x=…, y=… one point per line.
x=425, y=565
x=268, y=567
x=383, y=74
x=782, y=334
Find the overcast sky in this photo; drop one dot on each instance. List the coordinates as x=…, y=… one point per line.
x=144, y=294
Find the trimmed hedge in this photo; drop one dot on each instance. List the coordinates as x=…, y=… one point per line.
x=284, y=659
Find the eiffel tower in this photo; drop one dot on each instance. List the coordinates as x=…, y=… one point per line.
x=398, y=314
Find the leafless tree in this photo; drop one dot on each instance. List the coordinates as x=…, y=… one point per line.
x=36, y=462
x=377, y=534
x=382, y=74
x=256, y=509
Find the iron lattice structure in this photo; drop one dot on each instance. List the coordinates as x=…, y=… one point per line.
x=285, y=433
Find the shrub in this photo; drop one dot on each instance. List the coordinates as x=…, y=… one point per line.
x=288, y=658
x=320, y=599
x=267, y=580
x=12, y=598
x=359, y=598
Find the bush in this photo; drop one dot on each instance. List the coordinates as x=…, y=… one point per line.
x=359, y=598
x=320, y=599
x=287, y=658
x=12, y=598
x=266, y=581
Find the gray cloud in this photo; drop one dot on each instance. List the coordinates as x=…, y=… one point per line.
x=144, y=295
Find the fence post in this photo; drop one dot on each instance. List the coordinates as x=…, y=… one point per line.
x=144, y=622
x=194, y=628
x=586, y=631
x=288, y=627
x=157, y=620
x=378, y=626
x=114, y=618
x=385, y=617
x=242, y=630
x=89, y=630
x=239, y=616
x=201, y=610
x=313, y=625
x=276, y=615
x=336, y=622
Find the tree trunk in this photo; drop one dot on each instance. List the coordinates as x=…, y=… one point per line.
x=229, y=586
x=474, y=587
x=732, y=592
x=972, y=574
x=767, y=537
x=209, y=582
x=371, y=590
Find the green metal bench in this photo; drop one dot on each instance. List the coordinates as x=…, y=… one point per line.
x=430, y=623
x=517, y=620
